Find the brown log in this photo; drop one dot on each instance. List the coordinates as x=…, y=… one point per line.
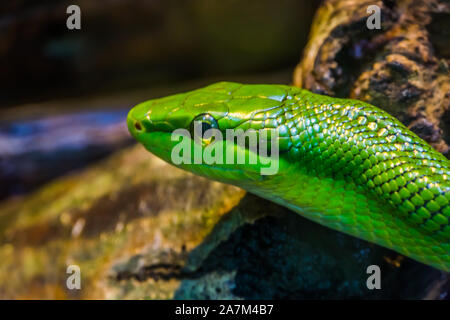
x=402, y=67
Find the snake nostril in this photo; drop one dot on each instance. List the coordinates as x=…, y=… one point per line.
x=138, y=126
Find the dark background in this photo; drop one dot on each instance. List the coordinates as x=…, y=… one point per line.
x=127, y=44
x=64, y=94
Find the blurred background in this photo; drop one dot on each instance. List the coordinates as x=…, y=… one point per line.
x=138, y=229
x=64, y=94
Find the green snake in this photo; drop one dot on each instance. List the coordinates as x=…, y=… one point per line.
x=343, y=163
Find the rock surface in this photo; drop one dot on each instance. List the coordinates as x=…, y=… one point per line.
x=128, y=223
x=139, y=228
x=402, y=67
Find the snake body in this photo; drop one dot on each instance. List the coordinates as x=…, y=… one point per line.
x=343, y=163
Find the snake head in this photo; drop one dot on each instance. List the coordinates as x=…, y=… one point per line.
x=222, y=107
x=153, y=122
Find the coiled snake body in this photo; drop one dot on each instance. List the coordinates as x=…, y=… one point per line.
x=342, y=163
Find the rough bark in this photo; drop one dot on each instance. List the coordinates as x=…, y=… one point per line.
x=402, y=67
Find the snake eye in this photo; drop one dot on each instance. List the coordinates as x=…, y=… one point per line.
x=137, y=126
x=201, y=124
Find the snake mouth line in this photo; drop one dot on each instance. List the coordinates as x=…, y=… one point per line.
x=189, y=152
x=187, y=161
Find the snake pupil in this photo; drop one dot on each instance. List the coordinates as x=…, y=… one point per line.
x=205, y=126
x=138, y=126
